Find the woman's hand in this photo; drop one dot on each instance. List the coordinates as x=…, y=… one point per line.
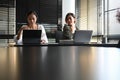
x=42, y=41
x=20, y=32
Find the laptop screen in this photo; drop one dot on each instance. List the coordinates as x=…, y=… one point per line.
x=31, y=36
x=82, y=36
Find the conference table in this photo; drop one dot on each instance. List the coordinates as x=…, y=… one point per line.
x=59, y=63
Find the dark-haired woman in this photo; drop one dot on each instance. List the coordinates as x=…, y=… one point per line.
x=69, y=28
x=32, y=25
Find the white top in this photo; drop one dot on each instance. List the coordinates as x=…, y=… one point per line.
x=43, y=35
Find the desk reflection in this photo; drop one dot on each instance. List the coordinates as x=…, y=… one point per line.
x=59, y=63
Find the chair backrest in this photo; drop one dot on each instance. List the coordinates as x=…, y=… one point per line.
x=58, y=36
x=118, y=45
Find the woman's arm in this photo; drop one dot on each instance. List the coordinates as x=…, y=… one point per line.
x=44, y=38
x=20, y=31
x=67, y=34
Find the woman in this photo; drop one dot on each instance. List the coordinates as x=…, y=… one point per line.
x=69, y=28
x=32, y=25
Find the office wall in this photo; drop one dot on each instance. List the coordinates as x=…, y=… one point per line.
x=67, y=6
x=90, y=18
x=46, y=9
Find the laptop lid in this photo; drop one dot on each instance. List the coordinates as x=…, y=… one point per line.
x=31, y=36
x=82, y=36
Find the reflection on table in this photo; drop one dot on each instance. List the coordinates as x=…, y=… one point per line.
x=59, y=63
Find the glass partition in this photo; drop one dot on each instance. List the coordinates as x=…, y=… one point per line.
x=99, y=16
x=7, y=20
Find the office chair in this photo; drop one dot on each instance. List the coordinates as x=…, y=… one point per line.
x=118, y=45
x=58, y=36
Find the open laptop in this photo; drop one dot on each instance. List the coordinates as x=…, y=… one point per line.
x=31, y=36
x=82, y=36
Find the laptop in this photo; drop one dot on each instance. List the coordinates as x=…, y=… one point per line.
x=82, y=36
x=31, y=36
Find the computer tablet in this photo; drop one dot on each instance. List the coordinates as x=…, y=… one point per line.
x=82, y=36
x=31, y=36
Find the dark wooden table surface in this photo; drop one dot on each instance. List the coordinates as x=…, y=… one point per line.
x=59, y=63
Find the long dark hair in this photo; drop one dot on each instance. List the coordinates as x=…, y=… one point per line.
x=69, y=14
x=32, y=12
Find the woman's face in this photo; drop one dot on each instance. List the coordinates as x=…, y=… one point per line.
x=32, y=19
x=70, y=20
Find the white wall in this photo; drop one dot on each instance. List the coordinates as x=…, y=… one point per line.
x=67, y=6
